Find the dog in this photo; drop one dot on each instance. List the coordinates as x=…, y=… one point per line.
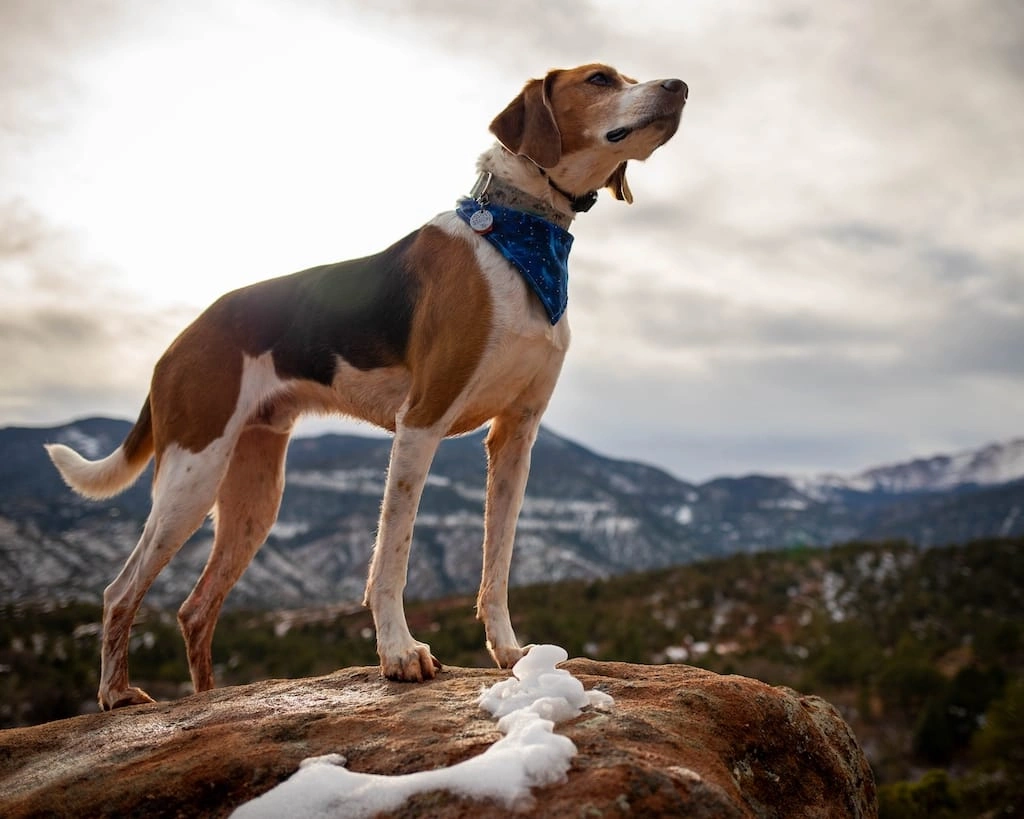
x=457, y=325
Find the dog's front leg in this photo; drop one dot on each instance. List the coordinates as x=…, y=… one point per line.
x=509, y=444
x=401, y=657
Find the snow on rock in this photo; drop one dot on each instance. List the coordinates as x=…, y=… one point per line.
x=529, y=755
x=537, y=685
x=680, y=741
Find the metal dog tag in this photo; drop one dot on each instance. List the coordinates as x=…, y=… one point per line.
x=481, y=221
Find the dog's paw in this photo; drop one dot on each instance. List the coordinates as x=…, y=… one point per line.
x=415, y=665
x=507, y=656
x=109, y=700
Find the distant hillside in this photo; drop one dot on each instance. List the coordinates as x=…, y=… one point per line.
x=586, y=516
x=922, y=650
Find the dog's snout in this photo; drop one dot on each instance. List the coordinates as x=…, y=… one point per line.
x=675, y=86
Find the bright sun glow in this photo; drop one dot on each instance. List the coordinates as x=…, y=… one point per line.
x=209, y=159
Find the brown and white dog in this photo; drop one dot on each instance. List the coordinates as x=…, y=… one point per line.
x=435, y=336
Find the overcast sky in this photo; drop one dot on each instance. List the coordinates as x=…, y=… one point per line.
x=823, y=271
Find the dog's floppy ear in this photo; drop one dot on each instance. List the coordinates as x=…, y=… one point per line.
x=617, y=184
x=527, y=125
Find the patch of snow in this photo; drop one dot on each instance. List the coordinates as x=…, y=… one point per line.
x=997, y=463
x=361, y=481
x=553, y=692
x=86, y=445
x=624, y=484
x=684, y=515
x=580, y=507
x=886, y=566
x=1007, y=525
x=833, y=597
x=470, y=493
x=287, y=529
x=615, y=525
x=794, y=504
x=455, y=520
x=529, y=754
x=986, y=466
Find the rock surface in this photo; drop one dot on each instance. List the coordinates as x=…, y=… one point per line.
x=679, y=741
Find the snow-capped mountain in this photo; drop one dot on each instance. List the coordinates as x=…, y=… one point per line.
x=585, y=516
x=990, y=465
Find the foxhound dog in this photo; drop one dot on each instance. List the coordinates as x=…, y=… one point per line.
x=455, y=326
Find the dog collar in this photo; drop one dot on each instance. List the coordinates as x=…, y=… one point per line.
x=536, y=247
x=492, y=189
x=579, y=204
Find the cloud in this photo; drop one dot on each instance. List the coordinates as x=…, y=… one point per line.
x=824, y=266
x=74, y=342
x=38, y=42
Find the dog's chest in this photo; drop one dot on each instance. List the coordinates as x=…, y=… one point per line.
x=523, y=346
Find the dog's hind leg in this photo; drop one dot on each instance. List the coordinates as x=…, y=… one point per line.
x=246, y=508
x=183, y=493
x=401, y=657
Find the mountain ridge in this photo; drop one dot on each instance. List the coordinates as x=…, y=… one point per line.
x=991, y=463
x=987, y=465
x=585, y=516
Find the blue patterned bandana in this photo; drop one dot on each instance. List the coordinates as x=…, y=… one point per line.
x=537, y=248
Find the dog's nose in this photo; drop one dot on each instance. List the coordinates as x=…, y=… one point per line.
x=676, y=87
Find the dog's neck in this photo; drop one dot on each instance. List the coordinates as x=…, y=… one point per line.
x=517, y=182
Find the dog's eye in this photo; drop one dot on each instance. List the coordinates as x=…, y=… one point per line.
x=599, y=78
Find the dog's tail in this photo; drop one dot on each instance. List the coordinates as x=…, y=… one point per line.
x=115, y=473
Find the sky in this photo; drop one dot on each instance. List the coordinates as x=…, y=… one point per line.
x=823, y=270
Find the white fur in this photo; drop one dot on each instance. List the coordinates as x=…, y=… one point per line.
x=94, y=479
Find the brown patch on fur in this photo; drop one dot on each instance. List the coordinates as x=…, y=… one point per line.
x=450, y=327
x=528, y=126
x=138, y=446
x=618, y=186
x=504, y=428
x=574, y=100
x=195, y=384
x=469, y=422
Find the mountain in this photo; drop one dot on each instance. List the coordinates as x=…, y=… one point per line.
x=585, y=516
x=990, y=465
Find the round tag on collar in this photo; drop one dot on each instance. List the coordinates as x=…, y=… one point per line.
x=482, y=221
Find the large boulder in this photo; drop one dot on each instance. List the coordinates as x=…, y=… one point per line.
x=679, y=741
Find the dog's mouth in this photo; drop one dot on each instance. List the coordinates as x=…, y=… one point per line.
x=662, y=112
x=667, y=122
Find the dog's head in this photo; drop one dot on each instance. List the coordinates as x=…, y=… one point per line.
x=589, y=121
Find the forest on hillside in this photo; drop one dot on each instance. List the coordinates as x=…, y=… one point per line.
x=921, y=650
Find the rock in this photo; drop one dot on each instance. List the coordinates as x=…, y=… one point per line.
x=679, y=741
